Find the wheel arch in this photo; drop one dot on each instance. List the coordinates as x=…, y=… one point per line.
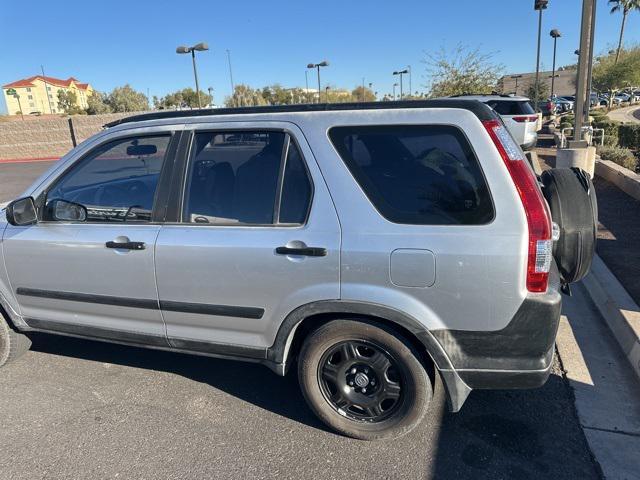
x=308, y=317
x=305, y=319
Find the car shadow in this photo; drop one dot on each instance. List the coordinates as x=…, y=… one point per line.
x=250, y=382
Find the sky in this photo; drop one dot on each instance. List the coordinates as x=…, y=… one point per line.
x=111, y=43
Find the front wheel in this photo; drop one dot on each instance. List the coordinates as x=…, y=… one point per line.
x=363, y=380
x=12, y=343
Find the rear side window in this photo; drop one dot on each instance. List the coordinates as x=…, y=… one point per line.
x=246, y=178
x=416, y=174
x=511, y=107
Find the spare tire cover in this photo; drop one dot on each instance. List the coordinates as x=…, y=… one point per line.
x=572, y=201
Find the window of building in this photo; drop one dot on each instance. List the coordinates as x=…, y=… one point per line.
x=417, y=174
x=237, y=178
x=28, y=89
x=30, y=97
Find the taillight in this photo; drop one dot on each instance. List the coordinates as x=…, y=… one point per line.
x=535, y=207
x=528, y=118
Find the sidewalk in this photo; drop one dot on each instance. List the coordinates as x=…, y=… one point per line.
x=627, y=114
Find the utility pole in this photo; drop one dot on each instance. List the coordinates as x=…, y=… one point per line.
x=582, y=96
x=363, y=89
x=410, y=86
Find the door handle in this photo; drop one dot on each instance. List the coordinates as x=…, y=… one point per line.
x=123, y=243
x=306, y=251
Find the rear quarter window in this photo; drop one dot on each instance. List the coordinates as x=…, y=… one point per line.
x=416, y=174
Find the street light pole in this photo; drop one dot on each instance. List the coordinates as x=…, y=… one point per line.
x=588, y=7
x=324, y=63
x=410, y=75
x=554, y=34
x=400, y=73
x=394, y=90
x=200, y=47
x=538, y=5
x=516, y=77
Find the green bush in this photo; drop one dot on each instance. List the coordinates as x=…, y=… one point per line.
x=611, y=130
x=619, y=155
x=610, y=140
x=629, y=136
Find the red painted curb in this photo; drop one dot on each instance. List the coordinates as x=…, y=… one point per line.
x=28, y=160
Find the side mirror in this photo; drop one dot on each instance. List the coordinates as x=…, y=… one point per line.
x=22, y=212
x=64, y=211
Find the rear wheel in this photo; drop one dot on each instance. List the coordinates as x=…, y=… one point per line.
x=363, y=380
x=12, y=343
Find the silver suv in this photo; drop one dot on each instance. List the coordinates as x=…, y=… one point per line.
x=374, y=246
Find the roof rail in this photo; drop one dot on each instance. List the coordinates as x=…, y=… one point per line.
x=479, y=109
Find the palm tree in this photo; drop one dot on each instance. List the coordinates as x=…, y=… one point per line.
x=626, y=6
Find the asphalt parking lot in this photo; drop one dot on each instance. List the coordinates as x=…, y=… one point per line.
x=79, y=409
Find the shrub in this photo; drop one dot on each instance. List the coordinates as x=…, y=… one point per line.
x=622, y=156
x=610, y=140
x=629, y=136
x=610, y=126
x=565, y=125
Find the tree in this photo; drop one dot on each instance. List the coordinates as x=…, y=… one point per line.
x=97, y=104
x=611, y=75
x=68, y=102
x=543, y=92
x=245, y=96
x=363, y=94
x=626, y=7
x=126, y=99
x=185, y=98
x=461, y=71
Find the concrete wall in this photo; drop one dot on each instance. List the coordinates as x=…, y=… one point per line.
x=38, y=137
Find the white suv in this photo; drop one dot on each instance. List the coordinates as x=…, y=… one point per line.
x=517, y=114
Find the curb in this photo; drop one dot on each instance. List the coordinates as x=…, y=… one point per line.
x=28, y=160
x=619, y=310
x=623, y=178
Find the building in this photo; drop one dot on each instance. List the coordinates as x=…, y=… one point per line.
x=519, y=83
x=39, y=94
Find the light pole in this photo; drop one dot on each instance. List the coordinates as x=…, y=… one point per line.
x=324, y=63
x=371, y=88
x=400, y=72
x=394, y=90
x=306, y=80
x=210, y=90
x=555, y=34
x=410, y=86
x=584, y=59
x=326, y=93
x=538, y=5
x=516, y=77
x=200, y=47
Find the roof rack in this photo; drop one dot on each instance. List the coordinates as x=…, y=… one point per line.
x=482, y=111
x=492, y=94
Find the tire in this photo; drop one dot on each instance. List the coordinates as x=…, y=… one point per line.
x=12, y=343
x=572, y=200
x=364, y=352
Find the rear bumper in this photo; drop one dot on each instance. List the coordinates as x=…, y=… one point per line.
x=518, y=356
x=530, y=145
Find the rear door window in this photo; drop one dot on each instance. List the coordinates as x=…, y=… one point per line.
x=417, y=174
x=246, y=178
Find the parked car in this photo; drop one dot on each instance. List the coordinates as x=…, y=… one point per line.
x=563, y=105
x=517, y=114
x=373, y=246
x=622, y=97
x=547, y=107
